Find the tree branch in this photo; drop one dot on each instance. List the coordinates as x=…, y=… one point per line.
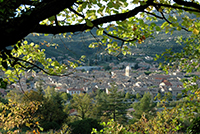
x=176, y=7
x=74, y=11
x=19, y=27
x=27, y=2
x=34, y=65
x=188, y=4
x=154, y=15
x=171, y=22
x=82, y=27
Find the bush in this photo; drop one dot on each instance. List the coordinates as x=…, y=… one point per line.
x=111, y=127
x=51, y=125
x=194, y=128
x=107, y=68
x=147, y=72
x=84, y=126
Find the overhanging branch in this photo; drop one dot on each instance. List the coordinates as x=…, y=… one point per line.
x=171, y=22
x=19, y=27
x=82, y=27
x=176, y=7
x=188, y=4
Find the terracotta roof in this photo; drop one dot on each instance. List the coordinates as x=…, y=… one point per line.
x=72, y=111
x=75, y=89
x=167, y=83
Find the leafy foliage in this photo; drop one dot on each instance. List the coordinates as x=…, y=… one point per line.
x=83, y=103
x=144, y=107
x=111, y=105
x=188, y=61
x=111, y=127
x=3, y=84
x=51, y=114
x=168, y=96
x=18, y=115
x=34, y=107
x=194, y=127
x=165, y=122
x=84, y=126
x=30, y=57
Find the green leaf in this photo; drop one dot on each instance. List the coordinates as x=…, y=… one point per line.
x=41, y=129
x=89, y=23
x=5, y=65
x=110, y=4
x=157, y=28
x=164, y=25
x=44, y=22
x=99, y=31
x=52, y=18
x=28, y=124
x=124, y=52
x=3, y=84
x=8, y=72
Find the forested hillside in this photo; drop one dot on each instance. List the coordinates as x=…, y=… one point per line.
x=78, y=44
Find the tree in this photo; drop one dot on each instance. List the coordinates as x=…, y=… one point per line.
x=138, y=96
x=29, y=19
x=147, y=72
x=112, y=105
x=145, y=105
x=3, y=100
x=66, y=96
x=128, y=95
x=83, y=103
x=179, y=96
x=84, y=126
x=187, y=61
x=107, y=67
x=136, y=66
x=51, y=114
x=18, y=115
x=112, y=127
x=159, y=96
x=194, y=127
x=168, y=96
x=15, y=95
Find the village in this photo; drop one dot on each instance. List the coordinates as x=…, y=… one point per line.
x=88, y=79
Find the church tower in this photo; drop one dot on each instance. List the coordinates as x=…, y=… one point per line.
x=127, y=70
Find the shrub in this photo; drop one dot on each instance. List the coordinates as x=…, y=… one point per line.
x=84, y=126
x=194, y=128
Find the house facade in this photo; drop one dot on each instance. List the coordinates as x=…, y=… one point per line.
x=72, y=91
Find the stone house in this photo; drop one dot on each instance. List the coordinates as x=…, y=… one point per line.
x=72, y=91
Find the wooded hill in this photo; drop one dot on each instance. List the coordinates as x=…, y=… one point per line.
x=77, y=44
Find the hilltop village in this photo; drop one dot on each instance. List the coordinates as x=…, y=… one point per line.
x=89, y=79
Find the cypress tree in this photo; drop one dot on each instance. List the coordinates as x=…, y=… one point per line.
x=112, y=105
